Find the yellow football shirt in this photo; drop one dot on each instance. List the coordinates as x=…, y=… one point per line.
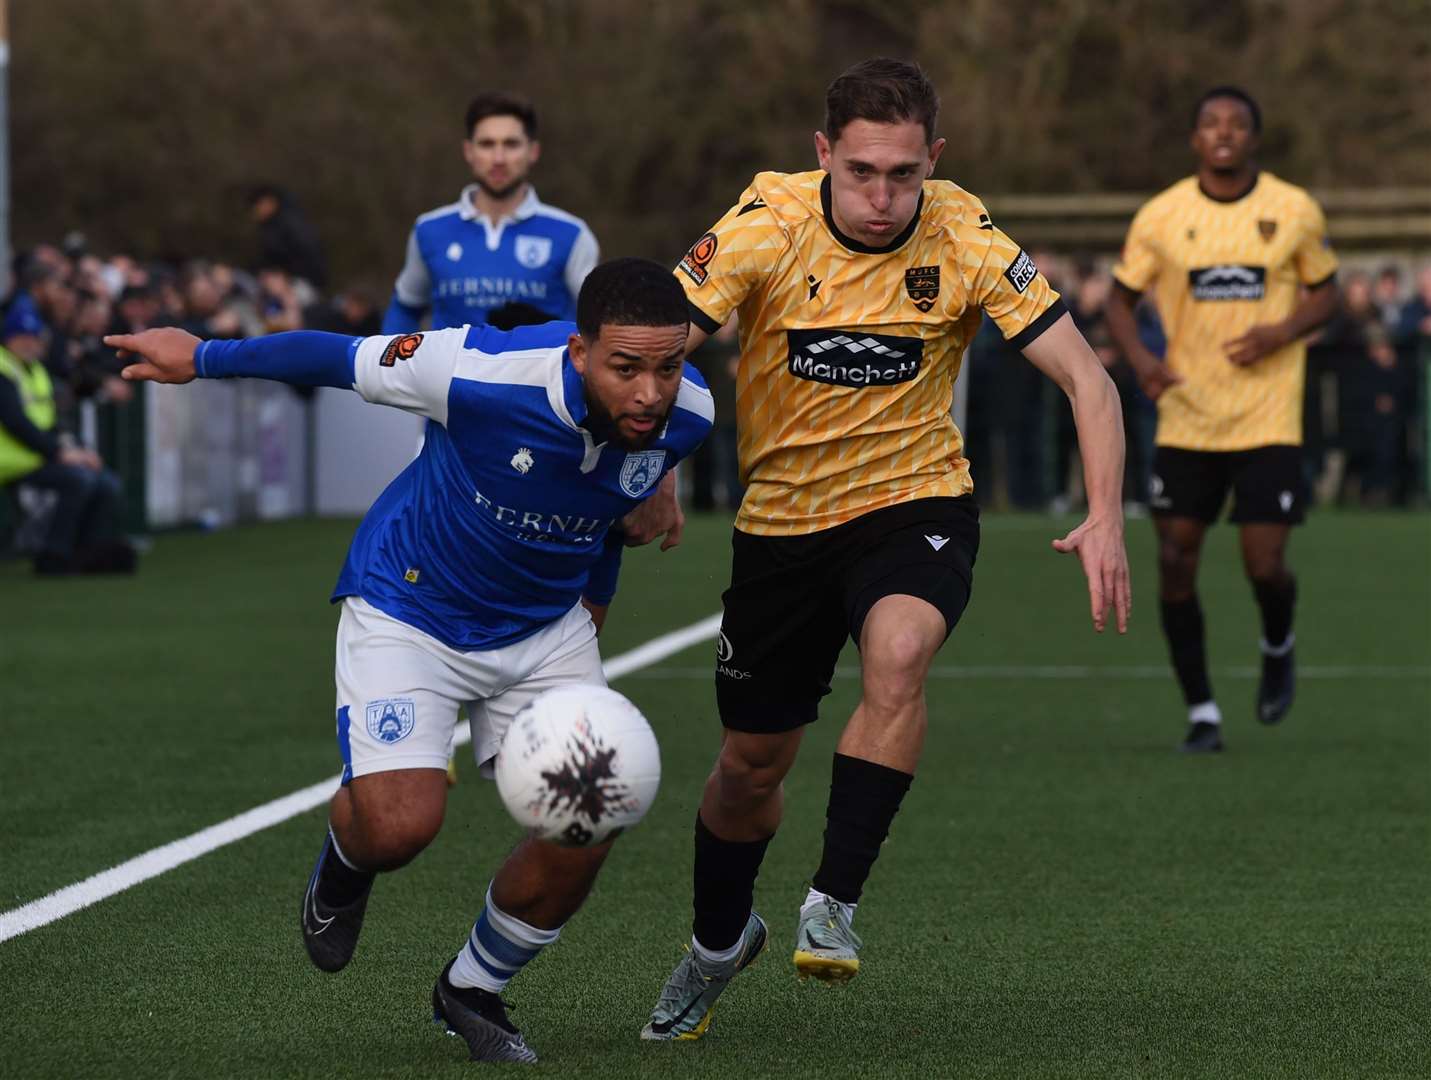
x=848, y=354
x=1217, y=269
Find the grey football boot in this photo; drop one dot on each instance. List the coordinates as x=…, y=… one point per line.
x=825, y=945
x=683, y=1010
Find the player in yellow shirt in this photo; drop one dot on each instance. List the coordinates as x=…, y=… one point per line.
x=858, y=287
x=1240, y=272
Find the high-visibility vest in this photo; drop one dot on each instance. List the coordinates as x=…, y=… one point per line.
x=37, y=395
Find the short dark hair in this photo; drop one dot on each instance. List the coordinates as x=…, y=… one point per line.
x=883, y=91
x=500, y=103
x=630, y=292
x=1236, y=93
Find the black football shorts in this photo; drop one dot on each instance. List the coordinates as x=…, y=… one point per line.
x=1267, y=484
x=794, y=600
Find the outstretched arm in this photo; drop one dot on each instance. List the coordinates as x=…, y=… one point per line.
x=1061, y=353
x=300, y=357
x=412, y=372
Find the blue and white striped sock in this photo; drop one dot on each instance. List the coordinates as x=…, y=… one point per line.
x=498, y=948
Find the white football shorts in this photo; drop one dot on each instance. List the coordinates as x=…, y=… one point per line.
x=400, y=691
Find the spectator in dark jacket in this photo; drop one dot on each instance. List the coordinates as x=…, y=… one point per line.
x=287, y=239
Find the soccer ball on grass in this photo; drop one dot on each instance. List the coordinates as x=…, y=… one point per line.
x=579, y=766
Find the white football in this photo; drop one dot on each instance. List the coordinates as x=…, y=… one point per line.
x=579, y=765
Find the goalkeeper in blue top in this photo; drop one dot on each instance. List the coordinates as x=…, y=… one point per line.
x=463, y=586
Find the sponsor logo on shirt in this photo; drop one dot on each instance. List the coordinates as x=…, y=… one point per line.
x=545, y=527
x=850, y=358
x=489, y=292
x=1228, y=282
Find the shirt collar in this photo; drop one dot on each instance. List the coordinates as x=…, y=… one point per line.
x=1251, y=187
x=827, y=206
x=573, y=390
x=467, y=208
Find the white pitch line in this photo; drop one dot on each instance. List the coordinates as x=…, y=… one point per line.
x=141, y=868
x=1090, y=671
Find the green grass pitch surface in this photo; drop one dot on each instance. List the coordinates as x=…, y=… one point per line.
x=1062, y=894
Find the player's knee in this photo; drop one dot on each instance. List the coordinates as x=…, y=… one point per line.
x=896, y=662
x=749, y=775
x=1266, y=568
x=393, y=841
x=391, y=831
x=1177, y=564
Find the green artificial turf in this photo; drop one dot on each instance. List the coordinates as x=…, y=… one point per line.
x=1062, y=895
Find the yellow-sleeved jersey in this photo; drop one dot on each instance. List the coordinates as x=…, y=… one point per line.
x=848, y=353
x=1217, y=269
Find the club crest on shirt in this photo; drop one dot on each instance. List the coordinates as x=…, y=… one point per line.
x=391, y=719
x=641, y=470
x=533, y=251
x=922, y=284
x=1268, y=229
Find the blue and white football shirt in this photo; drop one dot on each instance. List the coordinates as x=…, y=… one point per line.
x=462, y=265
x=491, y=533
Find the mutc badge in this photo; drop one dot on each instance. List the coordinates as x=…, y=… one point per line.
x=922, y=284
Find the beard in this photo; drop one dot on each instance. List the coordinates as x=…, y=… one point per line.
x=603, y=427
x=500, y=192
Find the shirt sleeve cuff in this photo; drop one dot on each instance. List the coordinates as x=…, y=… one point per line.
x=1034, y=330
x=701, y=319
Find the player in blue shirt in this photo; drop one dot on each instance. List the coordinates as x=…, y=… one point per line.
x=461, y=591
x=498, y=254
x=498, y=244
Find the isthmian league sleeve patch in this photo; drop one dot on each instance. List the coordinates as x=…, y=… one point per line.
x=400, y=348
x=696, y=261
x=1021, y=272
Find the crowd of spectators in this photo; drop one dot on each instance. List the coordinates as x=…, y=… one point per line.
x=1366, y=385
x=73, y=296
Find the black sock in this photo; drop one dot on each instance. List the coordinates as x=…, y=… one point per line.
x=338, y=883
x=1182, y=624
x=724, y=886
x=1276, y=600
x=864, y=797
